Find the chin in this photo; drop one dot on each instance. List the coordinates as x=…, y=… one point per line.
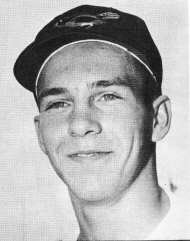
x=92, y=196
x=93, y=191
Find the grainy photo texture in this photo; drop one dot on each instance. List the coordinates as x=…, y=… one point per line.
x=94, y=120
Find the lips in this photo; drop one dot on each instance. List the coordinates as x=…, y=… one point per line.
x=91, y=154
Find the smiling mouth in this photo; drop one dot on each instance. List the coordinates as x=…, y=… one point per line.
x=82, y=155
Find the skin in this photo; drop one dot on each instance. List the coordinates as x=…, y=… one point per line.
x=99, y=136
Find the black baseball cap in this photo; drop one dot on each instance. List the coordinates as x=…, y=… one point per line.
x=85, y=23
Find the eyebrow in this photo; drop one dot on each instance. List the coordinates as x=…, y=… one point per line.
x=51, y=91
x=106, y=83
x=97, y=84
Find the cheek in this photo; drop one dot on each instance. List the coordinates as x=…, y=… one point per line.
x=124, y=128
x=53, y=130
x=123, y=120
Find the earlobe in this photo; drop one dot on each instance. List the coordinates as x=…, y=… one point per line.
x=40, y=139
x=162, y=117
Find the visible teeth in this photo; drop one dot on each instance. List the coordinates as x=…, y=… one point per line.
x=86, y=155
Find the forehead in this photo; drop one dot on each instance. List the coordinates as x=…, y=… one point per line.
x=85, y=62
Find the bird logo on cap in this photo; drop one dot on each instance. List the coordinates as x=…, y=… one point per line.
x=87, y=20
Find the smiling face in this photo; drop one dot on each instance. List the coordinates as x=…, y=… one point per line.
x=93, y=123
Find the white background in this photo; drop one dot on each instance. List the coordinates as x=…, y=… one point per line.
x=34, y=204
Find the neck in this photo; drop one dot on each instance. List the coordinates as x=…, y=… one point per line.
x=134, y=216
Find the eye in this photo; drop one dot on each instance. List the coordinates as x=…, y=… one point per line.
x=58, y=105
x=109, y=97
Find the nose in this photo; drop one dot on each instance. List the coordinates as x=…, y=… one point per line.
x=84, y=123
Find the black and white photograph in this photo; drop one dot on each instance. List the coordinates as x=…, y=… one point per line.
x=94, y=120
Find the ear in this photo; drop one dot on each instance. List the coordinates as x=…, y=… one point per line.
x=40, y=139
x=162, y=117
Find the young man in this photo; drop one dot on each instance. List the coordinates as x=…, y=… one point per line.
x=96, y=76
